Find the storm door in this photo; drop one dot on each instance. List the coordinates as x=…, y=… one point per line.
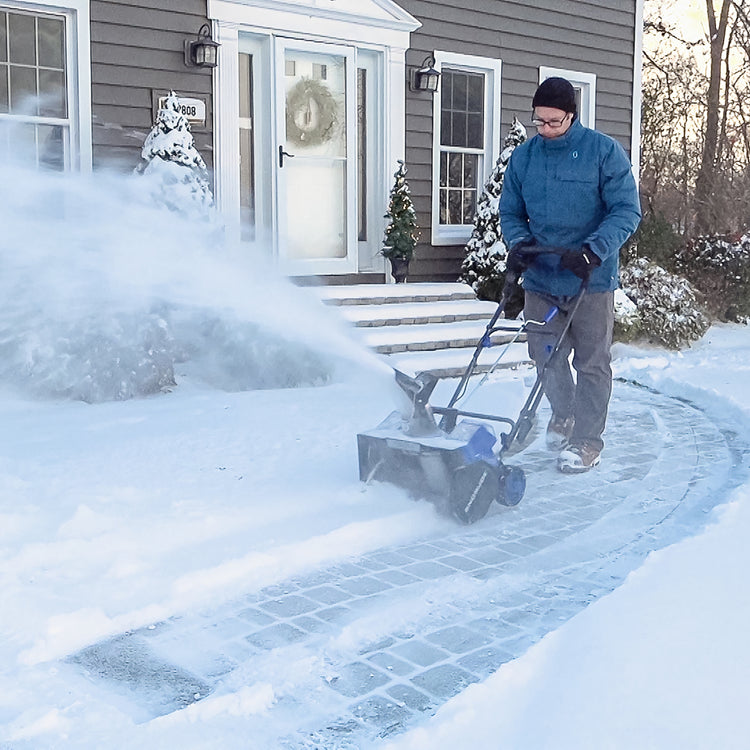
x=316, y=157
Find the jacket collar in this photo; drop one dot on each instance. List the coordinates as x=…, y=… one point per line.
x=571, y=136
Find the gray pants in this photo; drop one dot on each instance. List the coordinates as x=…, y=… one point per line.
x=589, y=338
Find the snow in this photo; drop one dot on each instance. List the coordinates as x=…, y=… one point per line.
x=121, y=513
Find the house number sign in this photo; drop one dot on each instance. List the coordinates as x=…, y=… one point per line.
x=193, y=109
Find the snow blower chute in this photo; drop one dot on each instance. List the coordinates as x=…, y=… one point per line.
x=455, y=463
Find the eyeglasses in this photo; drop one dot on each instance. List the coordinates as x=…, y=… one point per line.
x=537, y=122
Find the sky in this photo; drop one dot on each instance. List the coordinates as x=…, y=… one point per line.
x=146, y=478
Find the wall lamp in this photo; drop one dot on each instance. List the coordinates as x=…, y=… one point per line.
x=426, y=78
x=203, y=51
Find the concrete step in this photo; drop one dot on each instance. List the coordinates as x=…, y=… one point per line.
x=452, y=363
x=427, y=327
x=418, y=313
x=384, y=294
x=432, y=337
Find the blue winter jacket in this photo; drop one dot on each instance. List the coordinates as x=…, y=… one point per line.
x=567, y=192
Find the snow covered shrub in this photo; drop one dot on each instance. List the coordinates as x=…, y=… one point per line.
x=666, y=304
x=719, y=268
x=483, y=267
x=93, y=359
x=628, y=322
x=176, y=173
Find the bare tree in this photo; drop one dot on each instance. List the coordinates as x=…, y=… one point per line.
x=705, y=182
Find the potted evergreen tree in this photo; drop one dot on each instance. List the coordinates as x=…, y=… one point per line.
x=401, y=234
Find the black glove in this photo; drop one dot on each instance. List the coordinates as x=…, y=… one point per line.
x=520, y=257
x=581, y=262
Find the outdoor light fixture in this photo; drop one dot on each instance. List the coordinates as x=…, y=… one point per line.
x=203, y=51
x=426, y=78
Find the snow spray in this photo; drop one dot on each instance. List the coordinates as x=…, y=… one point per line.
x=107, y=295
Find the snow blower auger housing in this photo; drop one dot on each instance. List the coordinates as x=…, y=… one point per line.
x=458, y=469
x=454, y=462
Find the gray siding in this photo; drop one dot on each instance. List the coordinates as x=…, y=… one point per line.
x=591, y=37
x=136, y=54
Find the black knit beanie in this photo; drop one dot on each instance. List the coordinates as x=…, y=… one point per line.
x=557, y=93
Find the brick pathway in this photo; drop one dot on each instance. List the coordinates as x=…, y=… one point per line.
x=368, y=648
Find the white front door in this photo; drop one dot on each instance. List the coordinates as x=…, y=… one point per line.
x=315, y=150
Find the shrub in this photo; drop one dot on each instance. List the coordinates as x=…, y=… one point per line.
x=666, y=303
x=719, y=268
x=656, y=240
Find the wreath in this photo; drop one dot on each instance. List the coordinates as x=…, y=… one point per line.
x=311, y=113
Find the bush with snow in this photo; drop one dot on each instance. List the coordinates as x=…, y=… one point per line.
x=483, y=267
x=667, y=305
x=175, y=173
x=719, y=268
x=628, y=323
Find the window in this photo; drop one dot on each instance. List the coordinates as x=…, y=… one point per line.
x=40, y=120
x=585, y=86
x=465, y=141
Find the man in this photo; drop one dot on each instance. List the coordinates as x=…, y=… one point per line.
x=570, y=189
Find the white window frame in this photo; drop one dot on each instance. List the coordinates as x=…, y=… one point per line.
x=583, y=82
x=78, y=60
x=458, y=234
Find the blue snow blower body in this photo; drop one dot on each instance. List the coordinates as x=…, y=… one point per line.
x=456, y=462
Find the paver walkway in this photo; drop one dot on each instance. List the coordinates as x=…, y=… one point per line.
x=368, y=648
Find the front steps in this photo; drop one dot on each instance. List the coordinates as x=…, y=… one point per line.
x=426, y=327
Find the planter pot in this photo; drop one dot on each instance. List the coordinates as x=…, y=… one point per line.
x=399, y=269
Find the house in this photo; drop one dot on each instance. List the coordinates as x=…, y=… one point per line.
x=312, y=102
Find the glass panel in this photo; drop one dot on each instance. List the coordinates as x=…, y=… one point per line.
x=459, y=136
x=315, y=108
x=470, y=170
x=443, y=206
x=459, y=91
x=52, y=93
x=51, y=147
x=22, y=37
x=3, y=88
x=247, y=149
x=362, y=154
x=454, y=207
x=455, y=167
x=443, y=169
x=3, y=37
x=51, y=32
x=476, y=93
x=23, y=90
x=23, y=143
x=475, y=134
x=316, y=204
x=469, y=206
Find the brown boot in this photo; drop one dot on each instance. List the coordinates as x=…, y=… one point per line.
x=579, y=457
x=559, y=431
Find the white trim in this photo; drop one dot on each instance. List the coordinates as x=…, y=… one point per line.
x=314, y=22
x=635, y=131
x=442, y=234
x=585, y=83
x=78, y=59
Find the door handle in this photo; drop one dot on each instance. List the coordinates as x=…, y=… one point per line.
x=282, y=154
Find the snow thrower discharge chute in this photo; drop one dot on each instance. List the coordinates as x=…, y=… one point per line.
x=458, y=462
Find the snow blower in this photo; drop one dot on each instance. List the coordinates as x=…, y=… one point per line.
x=455, y=463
